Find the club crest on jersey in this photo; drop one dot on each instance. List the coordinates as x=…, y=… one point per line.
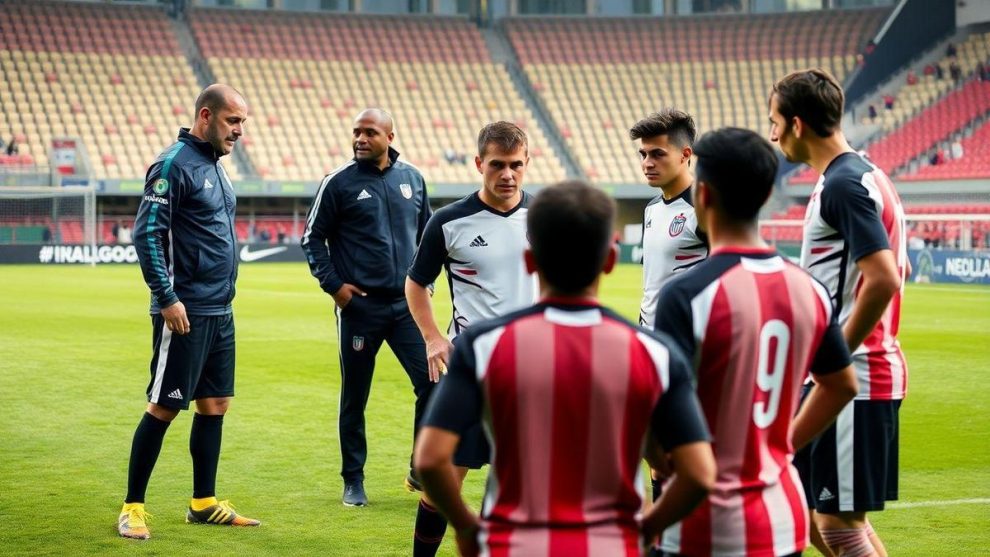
x=677, y=225
x=406, y=190
x=357, y=343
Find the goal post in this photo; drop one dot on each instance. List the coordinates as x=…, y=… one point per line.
x=48, y=215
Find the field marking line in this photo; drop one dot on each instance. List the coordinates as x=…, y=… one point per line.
x=978, y=292
x=938, y=503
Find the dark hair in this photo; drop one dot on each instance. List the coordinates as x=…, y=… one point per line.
x=814, y=96
x=740, y=167
x=506, y=135
x=571, y=226
x=677, y=125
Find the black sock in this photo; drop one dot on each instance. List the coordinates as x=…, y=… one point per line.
x=204, y=446
x=430, y=527
x=145, y=447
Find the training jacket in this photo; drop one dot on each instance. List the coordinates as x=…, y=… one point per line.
x=184, y=231
x=364, y=226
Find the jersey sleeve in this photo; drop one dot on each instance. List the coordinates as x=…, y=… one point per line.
x=163, y=190
x=847, y=207
x=456, y=404
x=833, y=353
x=426, y=213
x=677, y=418
x=674, y=319
x=430, y=254
x=320, y=226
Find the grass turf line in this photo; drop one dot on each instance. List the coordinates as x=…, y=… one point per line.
x=75, y=344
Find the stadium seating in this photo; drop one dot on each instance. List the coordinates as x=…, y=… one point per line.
x=113, y=76
x=910, y=99
x=975, y=162
x=306, y=76
x=599, y=76
x=923, y=132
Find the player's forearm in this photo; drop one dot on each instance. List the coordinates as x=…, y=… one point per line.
x=694, y=477
x=421, y=308
x=874, y=296
x=827, y=398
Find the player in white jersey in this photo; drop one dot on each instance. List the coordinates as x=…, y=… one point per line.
x=671, y=239
x=479, y=241
x=854, y=243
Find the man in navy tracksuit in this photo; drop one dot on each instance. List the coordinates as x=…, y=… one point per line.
x=184, y=237
x=361, y=234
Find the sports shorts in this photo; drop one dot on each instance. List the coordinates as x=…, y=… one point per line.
x=473, y=451
x=852, y=465
x=199, y=364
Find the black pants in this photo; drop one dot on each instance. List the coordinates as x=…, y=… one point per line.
x=362, y=326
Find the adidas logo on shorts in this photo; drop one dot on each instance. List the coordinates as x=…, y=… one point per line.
x=825, y=495
x=177, y=394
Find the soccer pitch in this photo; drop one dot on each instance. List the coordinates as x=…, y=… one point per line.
x=75, y=343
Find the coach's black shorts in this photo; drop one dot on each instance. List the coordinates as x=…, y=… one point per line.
x=473, y=451
x=199, y=364
x=852, y=466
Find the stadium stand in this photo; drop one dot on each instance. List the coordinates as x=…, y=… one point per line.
x=932, y=125
x=975, y=162
x=306, y=76
x=599, y=76
x=911, y=99
x=113, y=76
x=924, y=132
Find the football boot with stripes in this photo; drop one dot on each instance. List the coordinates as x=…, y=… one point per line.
x=222, y=513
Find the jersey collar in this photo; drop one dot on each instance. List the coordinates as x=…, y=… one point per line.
x=203, y=147
x=685, y=195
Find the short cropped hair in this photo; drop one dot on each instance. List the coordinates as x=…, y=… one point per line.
x=505, y=135
x=740, y=166
x=814, y=96
x=212, y=98
x=571, y=227
x=677, y=125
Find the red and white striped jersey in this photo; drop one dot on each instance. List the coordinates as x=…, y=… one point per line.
x=754, y=325
x=672, y=243
x=567, y=393
x=855, y=211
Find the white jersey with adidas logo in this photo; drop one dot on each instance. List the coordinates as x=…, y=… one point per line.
x=481, y=250
x=671, y=243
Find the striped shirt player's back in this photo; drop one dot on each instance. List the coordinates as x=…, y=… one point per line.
x=754, y=325
x=568, y=394
x=672, y=243
x=853, y=212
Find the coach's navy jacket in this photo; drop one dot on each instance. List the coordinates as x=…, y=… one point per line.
x=184, y=232
x=364, y=226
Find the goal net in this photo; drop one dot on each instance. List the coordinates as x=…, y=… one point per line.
x=48, y=215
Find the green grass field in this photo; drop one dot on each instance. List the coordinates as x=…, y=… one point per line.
x=74, y=349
